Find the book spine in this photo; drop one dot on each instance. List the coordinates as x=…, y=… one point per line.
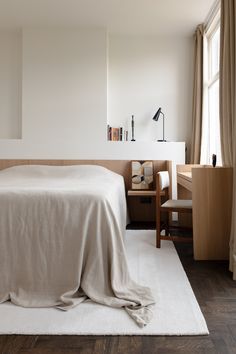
x=121, y=133
x=115, y=134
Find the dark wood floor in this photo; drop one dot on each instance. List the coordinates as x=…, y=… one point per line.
x=216, y=294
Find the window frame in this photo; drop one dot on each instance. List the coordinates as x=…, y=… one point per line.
x=209, y=36
x=208, y=81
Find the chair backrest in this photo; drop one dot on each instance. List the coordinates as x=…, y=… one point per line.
x=162, y=185
x=164, y=180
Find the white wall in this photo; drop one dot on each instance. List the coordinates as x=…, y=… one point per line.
x=10, y=84
x=146, y=73
x=64, y=94
x=64, y=98
x=64, y=101
x=64, y=85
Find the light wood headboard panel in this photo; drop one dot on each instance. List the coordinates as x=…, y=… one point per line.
x=138, y=211
x=123, y=167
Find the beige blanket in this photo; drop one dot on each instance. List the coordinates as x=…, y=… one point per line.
x=61, y=239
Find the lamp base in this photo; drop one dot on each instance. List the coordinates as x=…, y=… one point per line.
x=161, y=141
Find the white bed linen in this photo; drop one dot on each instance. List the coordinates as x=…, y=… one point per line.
x=61, y=239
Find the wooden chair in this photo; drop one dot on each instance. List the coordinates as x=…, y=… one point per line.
x=168, y=206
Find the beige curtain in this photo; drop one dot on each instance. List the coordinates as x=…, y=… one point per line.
x=197, y=96
x=228, y=106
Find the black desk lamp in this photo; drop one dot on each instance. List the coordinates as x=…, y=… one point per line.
x=156, y=117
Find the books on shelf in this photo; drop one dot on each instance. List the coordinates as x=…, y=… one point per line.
x=116, y=134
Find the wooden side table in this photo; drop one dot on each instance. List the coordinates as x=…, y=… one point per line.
x=142, y=205
x=137, y=193
x=148, y=207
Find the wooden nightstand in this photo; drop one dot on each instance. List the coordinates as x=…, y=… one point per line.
x=137, y=193
x=142, y=205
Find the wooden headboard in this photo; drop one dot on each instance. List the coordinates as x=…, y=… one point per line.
x=140, y=208
x=123, y=167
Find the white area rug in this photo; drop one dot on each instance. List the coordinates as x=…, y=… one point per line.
x=176, y=312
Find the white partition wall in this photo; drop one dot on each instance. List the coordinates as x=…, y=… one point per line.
x=65, y=84
x=148, y=72
x=10, y=84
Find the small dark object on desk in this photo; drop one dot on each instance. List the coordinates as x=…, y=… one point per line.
x=214, y=160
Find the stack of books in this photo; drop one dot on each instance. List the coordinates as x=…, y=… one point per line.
x=116, y=134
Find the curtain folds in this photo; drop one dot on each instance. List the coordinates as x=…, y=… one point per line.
x=197, y=96
x=227, y=79
x=228, y=106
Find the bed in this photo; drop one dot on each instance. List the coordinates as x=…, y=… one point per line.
x=62, y=239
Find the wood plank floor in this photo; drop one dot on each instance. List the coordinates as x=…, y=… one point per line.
x=216, y=294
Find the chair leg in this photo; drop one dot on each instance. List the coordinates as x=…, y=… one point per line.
x=167, y=229
x=158, y=239
x=158, y=231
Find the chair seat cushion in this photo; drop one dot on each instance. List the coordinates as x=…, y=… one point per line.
x=180, y=203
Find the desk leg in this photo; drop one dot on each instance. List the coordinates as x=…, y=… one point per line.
x=185, y=220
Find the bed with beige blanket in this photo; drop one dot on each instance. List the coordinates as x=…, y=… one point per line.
x=62, y=239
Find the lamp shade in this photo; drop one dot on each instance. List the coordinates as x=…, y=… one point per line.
x=157, y=115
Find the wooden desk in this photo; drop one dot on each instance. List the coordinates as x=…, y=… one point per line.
x=211, y=192
x=185, y=180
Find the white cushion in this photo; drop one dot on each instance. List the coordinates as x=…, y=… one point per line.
x=164, y=179
x=180, y=203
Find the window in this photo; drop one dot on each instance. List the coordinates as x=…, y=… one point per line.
x=211, y=122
